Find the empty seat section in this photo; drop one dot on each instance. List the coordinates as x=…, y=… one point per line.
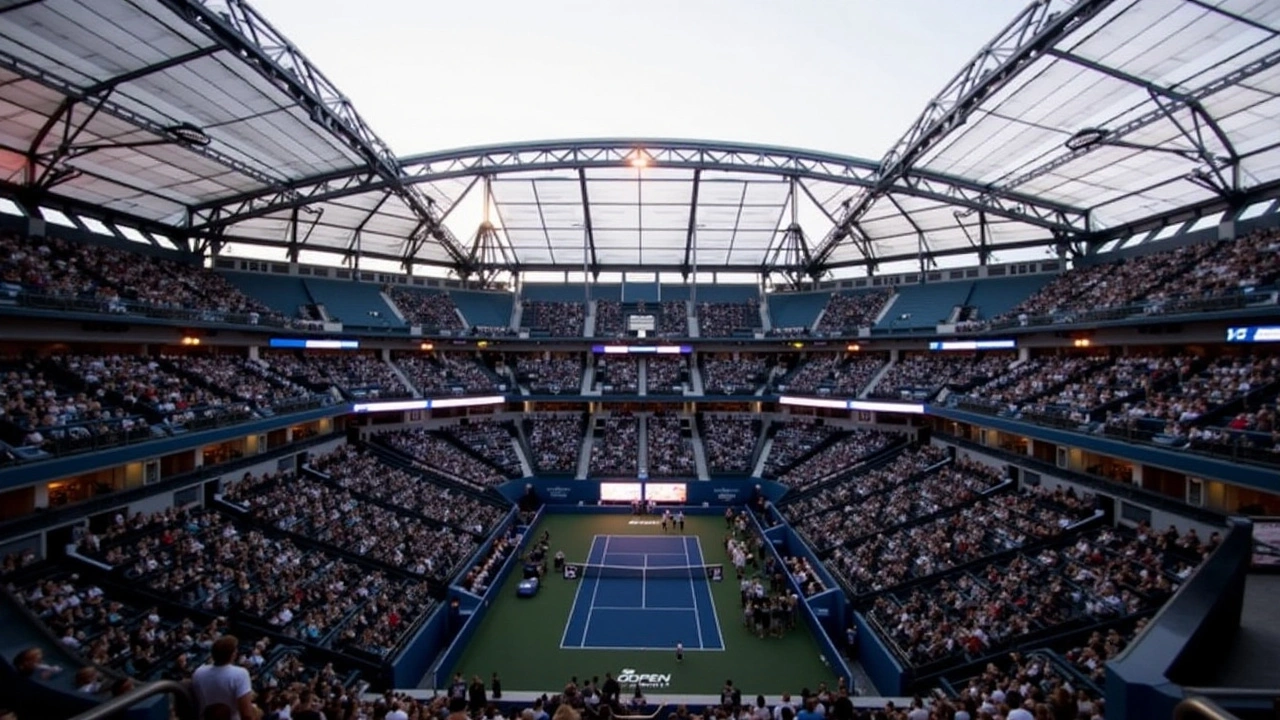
x=996, y=296
x=796, y=310
x=283, y=293
x=920, y=307
x=484, y=309
x=354, y=304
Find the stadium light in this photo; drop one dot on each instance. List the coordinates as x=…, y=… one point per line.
x=1092, y=137
x=639, y=159
x=1086, y=138
x=182, y=134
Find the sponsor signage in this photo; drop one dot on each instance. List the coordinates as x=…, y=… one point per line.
x=631, y=676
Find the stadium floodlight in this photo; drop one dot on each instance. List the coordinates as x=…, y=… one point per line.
x=189, y=135
x=182, y=134
x=1087, y=138
x=1092, y=137
x=639, y=159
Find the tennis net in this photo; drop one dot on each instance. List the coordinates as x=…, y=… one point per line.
x=583, y=571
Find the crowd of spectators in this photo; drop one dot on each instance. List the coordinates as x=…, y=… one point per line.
x=242, y=379
x=478, y=579
x=1032, y=683
x=446, y=373
x=793, y=440
x=1029, y=380
x=829, y=503
x=617, y=452
x=206, y=561
x=977, y=527
x=332, y=515
x=847, y=312
x=362, y=473
x=664, y=375
x=838, y=458
x=441, y=456
x=729, y=441
x=670, y=452
x=108, y=279
x=553, y=373
x=430, y=310
x=1175, y=410
x=1234, y=266
x=356, y=374
x=1100, y=575
x=673, y=319
x=38, y=412
x=609, y=319
x=1078, y=400
x=831, y=374
x=553, y=319
x=922, y=375
x=618, y=374
x=142, y=385
x=491, y=440
x=555, y=442
x=733, y=373
x=727, y=319
x=1162, y=282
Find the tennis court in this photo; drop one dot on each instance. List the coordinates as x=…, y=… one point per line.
x=643, y=593
x=524, y=640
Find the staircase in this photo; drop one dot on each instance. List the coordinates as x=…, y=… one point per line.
x=642, y=375
x=766, y=322
x=764, y=454
x=642, y=429
x=517, y=314
x=699, y=452
x=404, y=378
x=875, y=379
x=517, y=442
x=584, y=455
x=692, y=319
x=695, y=379
x=589, y=322
x=391, y=304
x=589, y=378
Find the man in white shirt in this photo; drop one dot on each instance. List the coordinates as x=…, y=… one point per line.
x=224, y=682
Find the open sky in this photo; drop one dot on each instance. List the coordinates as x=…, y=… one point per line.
x=846, y=76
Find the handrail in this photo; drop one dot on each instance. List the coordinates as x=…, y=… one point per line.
x=184, y=706
x=1201, y=707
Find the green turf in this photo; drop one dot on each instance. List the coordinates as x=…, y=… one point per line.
x=520, y=638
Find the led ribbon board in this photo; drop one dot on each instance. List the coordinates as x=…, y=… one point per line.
x=1254, y=334
x=864, y=405
x=313, y=344
x=642, y=349
x=972, y=345
x=431, y=404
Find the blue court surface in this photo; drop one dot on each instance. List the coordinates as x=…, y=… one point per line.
x=651, y=611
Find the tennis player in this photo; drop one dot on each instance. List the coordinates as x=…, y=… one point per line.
x=679, y=652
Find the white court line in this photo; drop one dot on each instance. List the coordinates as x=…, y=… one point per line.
x=652, y=609
x=591, y=608
x=577, y=594
x=644, y=582
x=653, y=649
x=694, y=592
x=697, y=539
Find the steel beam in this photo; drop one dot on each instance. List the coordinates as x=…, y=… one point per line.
x=619, y=152
x=586, y=217
x=692, y=231
x=239, y=28
x=1034, y=31
x=1156, y=114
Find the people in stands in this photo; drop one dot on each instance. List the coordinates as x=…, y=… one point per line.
x=223, y=683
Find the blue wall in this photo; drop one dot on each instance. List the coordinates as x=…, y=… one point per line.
x=475, y=607
x=1193, y=630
